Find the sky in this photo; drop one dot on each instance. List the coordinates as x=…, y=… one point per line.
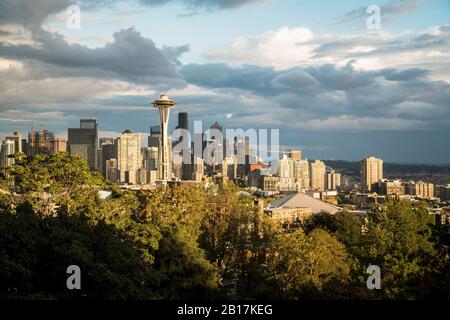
x=316, y=70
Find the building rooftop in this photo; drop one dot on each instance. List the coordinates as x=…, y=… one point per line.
x=302, y=200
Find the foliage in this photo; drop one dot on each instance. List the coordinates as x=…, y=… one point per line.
x=199, y=241
x=309, y=266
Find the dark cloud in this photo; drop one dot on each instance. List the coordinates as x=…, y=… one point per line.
x=220, y=75
x=129, y=57
x=404, y=75
x=328, y=90
x=205, y=4
x=29, y=13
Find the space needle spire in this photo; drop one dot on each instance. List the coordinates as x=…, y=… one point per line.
x=164, y=104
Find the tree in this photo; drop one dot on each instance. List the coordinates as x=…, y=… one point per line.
x=309, y=266
x=399, y=241
x=51, y=217
x=184, y=269
x=236, y=236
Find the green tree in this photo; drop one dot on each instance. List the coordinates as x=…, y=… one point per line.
x=309, y=266
x=399, y=241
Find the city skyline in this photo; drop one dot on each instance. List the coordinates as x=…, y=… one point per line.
x=334, y=88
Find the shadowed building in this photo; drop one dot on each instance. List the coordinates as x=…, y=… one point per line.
x=83, y=142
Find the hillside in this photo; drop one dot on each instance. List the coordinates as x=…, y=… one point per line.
x=352, y=168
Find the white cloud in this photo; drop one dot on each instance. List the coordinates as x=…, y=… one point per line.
x=282, y=48
x=289, y=47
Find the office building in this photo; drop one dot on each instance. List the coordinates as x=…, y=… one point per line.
x=302, y=173
x=129, y=158
x=390, y=187
x=7, y=151
x=295, y=155
x=108, y=148
x=154, y=139
x=183, y=121
x=17, y=138
x=333, y=180
x=420, y=189
x=371, y=173
x=83, y=142
x=111, y=171
x=39, y=142
x=317, y=175
x=58, y=145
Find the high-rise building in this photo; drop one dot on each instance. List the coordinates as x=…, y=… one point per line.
x=111, y=172
x=164, y=104
x=151, y=159
x=154, y=140
x=295, y=155
x=302, y=172
x=88, y=123
x=17, y=138
x=371, y=173
x=183, y=121
x=333, y=180
x=83, y=142
x=317, y=175
x=7, y=151
x=108, y=147
x=39, y=142
x=129, y=158
x=58, y=145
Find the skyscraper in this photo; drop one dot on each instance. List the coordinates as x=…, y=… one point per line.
x=111, y=170
x=302, y=171
x=17, y=138
x=317, y=175
x=183, y=120
x=83, y=142
x=295, y=155
x=333, y=180
x=129, y=158
x=39, y=142
x=7, y=151
x=154, y=140
x=108, y=152
x=371, y=173
x=58, y=145
x=164, y=104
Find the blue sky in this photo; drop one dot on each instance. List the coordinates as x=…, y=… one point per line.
x=309, y=68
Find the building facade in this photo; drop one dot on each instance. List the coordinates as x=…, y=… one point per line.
x=83, y=142
x=317, y=175
x=371, y=173
x=129, y=158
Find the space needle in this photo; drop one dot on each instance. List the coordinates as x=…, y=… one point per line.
x=164, y=104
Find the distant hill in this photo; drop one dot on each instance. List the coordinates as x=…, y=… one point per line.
x=352, y=168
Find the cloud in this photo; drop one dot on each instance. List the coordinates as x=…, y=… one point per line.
x=281, y=48
x=289, y=47
x=299, y=95
x=206, y=4
x=29, y=13
x=129, y=57
x=295, y=79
